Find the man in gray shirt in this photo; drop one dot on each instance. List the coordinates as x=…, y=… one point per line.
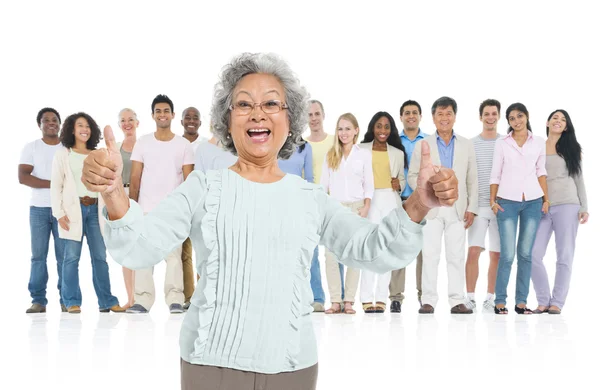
x=489, y=114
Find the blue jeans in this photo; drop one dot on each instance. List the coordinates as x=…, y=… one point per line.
x=315, y=278
x=71, y=292
x=42, y=224
x=528, y=215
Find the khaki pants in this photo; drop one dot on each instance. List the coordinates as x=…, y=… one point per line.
x=173, y=288
x=188, y=269
x=397, y=282
x=332, y=271
x=198, y=377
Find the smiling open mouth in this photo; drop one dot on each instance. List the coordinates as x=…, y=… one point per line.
x=259, y=133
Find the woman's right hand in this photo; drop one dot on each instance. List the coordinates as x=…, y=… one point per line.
x=496, y=207
x=102, y=167
x=64, y=222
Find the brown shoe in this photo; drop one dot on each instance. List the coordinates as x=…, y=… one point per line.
x=460, y=309
x=74, y=309
x=114, y=309
x=36, y=308
x=426, y=309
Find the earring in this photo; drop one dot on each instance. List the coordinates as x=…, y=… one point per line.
x=290, y=134
x=228, y=136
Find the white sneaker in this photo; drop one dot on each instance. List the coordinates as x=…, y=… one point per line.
x=470, y=304
x=488, y=304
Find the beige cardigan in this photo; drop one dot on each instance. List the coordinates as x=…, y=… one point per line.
x=64, y=198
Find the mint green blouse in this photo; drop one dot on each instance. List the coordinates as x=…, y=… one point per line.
x=254, y=244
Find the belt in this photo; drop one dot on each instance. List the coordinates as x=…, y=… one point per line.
x=126, y=185
x=87, y=201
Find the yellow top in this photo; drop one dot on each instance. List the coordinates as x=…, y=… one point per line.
x=319, y=150
x=382, y=173
x=76, y=164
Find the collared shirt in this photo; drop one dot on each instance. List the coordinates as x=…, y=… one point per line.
x=446, y=151
x=516, y=169
x=409, y=146
x=353, y=180
x=300, y=163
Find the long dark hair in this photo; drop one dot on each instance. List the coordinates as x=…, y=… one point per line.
x=393, y=139
x=519, y=107
x=67, y=133
x=567, y=146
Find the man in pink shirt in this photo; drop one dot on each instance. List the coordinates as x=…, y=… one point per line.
x=161, y=161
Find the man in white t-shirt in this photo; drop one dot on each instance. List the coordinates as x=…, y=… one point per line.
x=191, y=122
x=160, y=162
x=35, y=171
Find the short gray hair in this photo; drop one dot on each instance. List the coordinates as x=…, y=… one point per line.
x=127, y=110
x=296, y=97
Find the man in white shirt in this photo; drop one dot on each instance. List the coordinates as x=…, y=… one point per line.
x=160, y=162
x=35, y=171
x=191, y=122
x=484, y=143
x=453, y=151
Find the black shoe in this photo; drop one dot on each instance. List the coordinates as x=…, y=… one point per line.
x=396, y=307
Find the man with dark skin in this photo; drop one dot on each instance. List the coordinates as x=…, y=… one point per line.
x=35, y=170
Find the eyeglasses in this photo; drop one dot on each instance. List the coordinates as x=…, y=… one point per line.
x=268, y=106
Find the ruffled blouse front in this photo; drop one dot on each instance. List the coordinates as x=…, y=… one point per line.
x=254, y=244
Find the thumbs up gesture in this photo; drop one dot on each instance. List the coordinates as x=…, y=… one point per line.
x=102, y=168
x=436, y=186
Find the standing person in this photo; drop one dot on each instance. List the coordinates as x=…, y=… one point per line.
x=456, y=152
x=35, y=171
x=410, y=116
x=347, y=176
x=161, y=161
x=382, y=141
x=128, y=122
x=518, y=196
x=248, y=326
x=76, y=209
x=299, y=163
x=568, y=209
x=489, y=114
x=320, y=143
x=191, y=122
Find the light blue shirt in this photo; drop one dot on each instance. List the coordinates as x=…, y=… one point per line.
x=298, y=163
x=446, y=151
x=409, y=147
x=255, y=241
x=208, y=156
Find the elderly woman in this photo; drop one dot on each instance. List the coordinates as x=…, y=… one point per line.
x=256, y=228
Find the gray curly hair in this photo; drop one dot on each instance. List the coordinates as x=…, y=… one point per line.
x=296, y=97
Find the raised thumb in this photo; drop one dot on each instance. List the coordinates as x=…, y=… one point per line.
x=109, y=139
x=425, y=154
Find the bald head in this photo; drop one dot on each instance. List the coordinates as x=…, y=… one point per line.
x=190, y=120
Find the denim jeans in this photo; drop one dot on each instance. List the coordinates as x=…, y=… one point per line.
x=42, y=224
x=527, y=214
x=316, y=284
x=70, y=281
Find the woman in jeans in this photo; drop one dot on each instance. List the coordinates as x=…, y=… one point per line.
x=76, y=210
x=518, y=196
x=348, y=177
x=568, y=209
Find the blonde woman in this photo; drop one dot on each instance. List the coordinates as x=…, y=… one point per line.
x=382, y=141
x=128, y=122
x=347, y=175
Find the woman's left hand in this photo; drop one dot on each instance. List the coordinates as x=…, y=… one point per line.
x=395, y=184
x=363, y=211
x=583, y=218
x=545, y=207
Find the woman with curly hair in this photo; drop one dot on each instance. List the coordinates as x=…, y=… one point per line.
x=76, y=209
x=382, y=142
x=256, y=228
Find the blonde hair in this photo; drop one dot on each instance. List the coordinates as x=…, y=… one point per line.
x=334, y=155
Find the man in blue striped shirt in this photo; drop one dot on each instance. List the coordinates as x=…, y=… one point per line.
x=410, y=116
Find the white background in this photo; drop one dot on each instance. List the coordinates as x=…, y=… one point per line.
x=100, y=57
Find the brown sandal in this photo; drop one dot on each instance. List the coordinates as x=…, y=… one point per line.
x=348, y=308
x=380, y=307
x=333, y=309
